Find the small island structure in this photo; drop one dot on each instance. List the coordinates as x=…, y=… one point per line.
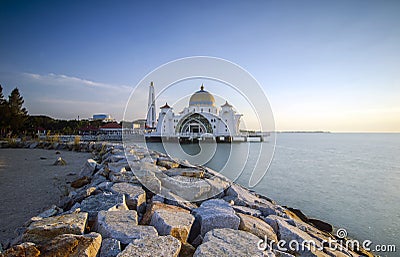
x=200, y=120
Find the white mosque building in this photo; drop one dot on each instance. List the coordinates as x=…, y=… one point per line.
x=201, y=119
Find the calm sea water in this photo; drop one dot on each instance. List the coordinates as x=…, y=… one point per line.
x=349, y=180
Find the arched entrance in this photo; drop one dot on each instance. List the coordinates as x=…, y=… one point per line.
x=194, y=124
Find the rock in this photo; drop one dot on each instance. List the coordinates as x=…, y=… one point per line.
x=80, y=182
x=185, y=172
x=167, y=162
x=33, y=145
x=110, y=248
x=149, y=180
x=256, y=227
x=173, y=199
x=212, y=214
x=44, y=230
x=272, y=220
x=287, y=233
x=296, y=214
x=174, y=223
x=25, y=249
x=166, y=246
x=187, y=250
x=88, y=168
x=53, y=210
x=76, y=197
x=123, y=176
x=321, y=225
x=103, y=202
x=60, y=162
x=159, y=206
x=122, y=225
x=228, y=242
x=246, y=210
x=242, y=196
x=190, y=189
x=282, y=254
x=135, y=196
x=70, y=245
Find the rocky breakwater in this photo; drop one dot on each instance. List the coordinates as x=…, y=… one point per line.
x=142, y=203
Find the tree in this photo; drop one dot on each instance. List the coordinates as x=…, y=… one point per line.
x=4, y=113
x=18, y=114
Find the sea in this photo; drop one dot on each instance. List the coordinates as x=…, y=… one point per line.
x=350, y=180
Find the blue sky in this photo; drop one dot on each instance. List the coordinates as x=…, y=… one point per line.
x=324, y=65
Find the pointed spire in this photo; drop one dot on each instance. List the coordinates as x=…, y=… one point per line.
x=166, y=106
x=202, y=87
x=151, y=83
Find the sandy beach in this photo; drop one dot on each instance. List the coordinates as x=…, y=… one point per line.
x=30, y=183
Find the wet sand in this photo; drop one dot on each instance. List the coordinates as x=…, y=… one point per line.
x=29, y=184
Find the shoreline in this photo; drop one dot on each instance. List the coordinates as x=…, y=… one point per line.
x=251, y=208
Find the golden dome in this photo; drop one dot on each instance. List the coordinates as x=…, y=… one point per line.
x=202, y=98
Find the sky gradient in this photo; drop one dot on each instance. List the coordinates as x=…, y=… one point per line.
x=323, y=65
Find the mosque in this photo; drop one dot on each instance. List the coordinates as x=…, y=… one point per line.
x=200, y=119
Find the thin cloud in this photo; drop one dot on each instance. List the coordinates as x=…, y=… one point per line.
x=62, y=80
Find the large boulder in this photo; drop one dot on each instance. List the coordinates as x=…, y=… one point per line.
x=110, y=247
x=256, y=227
x=174, y=223
x=247, y=210
x=25, y=249
x=166, y=246
x=212, y=214
x=69, y=245
x=159, y=206
x=228, y=242
x=88, y=168
x=189, y=188
x=46, y=229
x=135, y=196
x=122, y=225
x=243, y=197
x=103, y=202
x=289, y=233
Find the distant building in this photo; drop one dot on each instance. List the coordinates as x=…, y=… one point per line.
x=139, y=125
x=103, y=117
x=112, y=128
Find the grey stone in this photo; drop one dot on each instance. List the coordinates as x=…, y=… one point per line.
x=211, y=214
x=242, y=196
x=53, y=210
x=247, y=210
x=103, y=202
x=169, y=222
x=88, y=168
x=149, y=180
x=60, y=162
x=135, y=196
x=272, y=220
x=45, y=229
x=191, y=189
x=110, y=247
x=228, y=242
x=257, y=227
x=288, y=233
x=185, y=172
x=166, y=246
x=122, y=225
